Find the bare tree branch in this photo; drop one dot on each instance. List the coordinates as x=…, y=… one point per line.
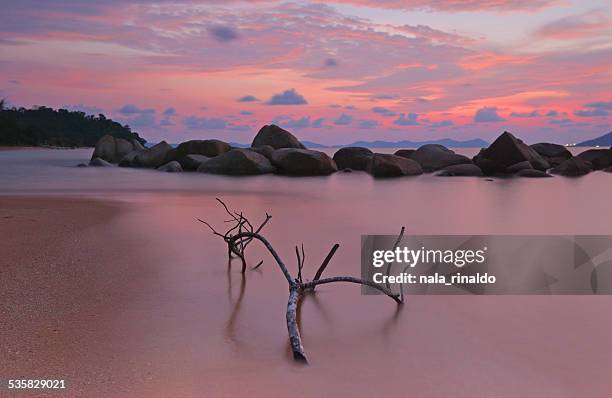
x=351, y=279
x=325, y=262
x=397, y=242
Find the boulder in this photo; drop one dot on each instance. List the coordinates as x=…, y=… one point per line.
x=505, y=151
x=171, y=167
x=608, y=169
x=192, y=162
x=405, y=153
x=137, y=145
x=98, y=162
x=532, y=173
x=276, y=137
x=356, y=158
x=105, y=149
x=460, y=170
x=237, y=162
x=549, y=150
x=386, y=165
x=524, y=165
x=293, y=161
x=152, y=157
x=265, y=150
x=114, y=149
x=208, y=148
x=573, y=167
x=433, y=157
x=599, y=158
x=129, y=159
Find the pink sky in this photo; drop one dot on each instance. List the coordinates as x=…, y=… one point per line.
x=332, y=73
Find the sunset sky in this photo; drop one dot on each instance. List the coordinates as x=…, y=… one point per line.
x=331, y=73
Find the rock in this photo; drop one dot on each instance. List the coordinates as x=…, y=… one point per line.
x=171, y=167
x=105, y=149
x=532, y=173
x=356, y=158
x=152, y=157
x=97, y=162
x=237, y=162
x=209, y=148
x=505, y=151
x=192, y=162
x=524, y=165
x=81, y=165
x=385, y=165
x=608, y=169
x=573, y=167
x=460, y=170
x=122, y=148
x=265, y=150
x=276, y=137
x=303, y=162
x=137, y=145
x=405, y=153
x=551, y=150
x=599, y=158
x=433, y=157
x=347, y=170
x=129, y=159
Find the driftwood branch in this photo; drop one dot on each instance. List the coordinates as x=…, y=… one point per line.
x=242, y=233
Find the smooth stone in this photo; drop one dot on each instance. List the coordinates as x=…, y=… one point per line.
x=386, y=165
x=599, y=158
x=276, y=137
x=171, y=167
x=434, y=157
x=237, y=162
x=573, y=167
x=97, y=162
x=192, y=162
x=532, y=173
x=506, y=151
x=524, y=165
x=460, y=170
x=294, y=161
x=356, y=158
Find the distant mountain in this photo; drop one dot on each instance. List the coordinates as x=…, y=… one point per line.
x=604, y=140
x=42, y=126
x=447, y=142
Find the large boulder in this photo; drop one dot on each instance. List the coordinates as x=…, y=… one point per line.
x=433, y=157
x=237, y=162
x=276, y=137
x=171, y=167
x=192, y=162
x=265, y=150
x=573, y=167
x=152, y=157
x=532, y=173
x=554, y=154
x=113, y=149
x=208, y=148
x=599, y=158
x=460, y=170
x=405, y=153
x=303, y=162
x=386, y=165
x=356, y=158
x=98, y=162
x=608, y=169
x=515, y=168
x=505, y=151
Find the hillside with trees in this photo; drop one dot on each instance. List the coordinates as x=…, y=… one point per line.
x=43, y=126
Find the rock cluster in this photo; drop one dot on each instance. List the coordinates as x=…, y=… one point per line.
x=275, y=150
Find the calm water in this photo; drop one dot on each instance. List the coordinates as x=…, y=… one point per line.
x=211, y=330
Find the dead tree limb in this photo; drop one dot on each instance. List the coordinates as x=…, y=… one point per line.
x=246, y=233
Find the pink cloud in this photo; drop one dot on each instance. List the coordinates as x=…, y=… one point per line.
x=591, y=23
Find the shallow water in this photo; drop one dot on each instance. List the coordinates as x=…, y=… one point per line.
x=199, y=328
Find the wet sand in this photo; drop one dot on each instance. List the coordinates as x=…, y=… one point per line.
x=132, y=298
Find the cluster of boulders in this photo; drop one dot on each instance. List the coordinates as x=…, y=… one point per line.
x=275, y=150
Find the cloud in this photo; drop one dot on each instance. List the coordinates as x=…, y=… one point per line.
x=247, y=98
x=552, y=114
x=487, y=114
x=368, y=124
x=407, y=120
x=383, y=111
x=205, y=123
x=590, y=23
x=87, y=109
x=525, y=114
x=456, y=5
x=442, y=123
x=222, y=33
x=343, y=120
x=169, y=112
x=303, y=122
x=288, y=97
x=246, y=113
x=600, y=108
x=130, y=109
x=330, y=63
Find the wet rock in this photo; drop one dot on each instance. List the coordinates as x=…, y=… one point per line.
x=356, y=158
x=265, y=150
x=549, y=150
x=192, y=162
x=460, y=170
x=385, y=165
x=276, y=137
x=152, y=157
x=171, y=167
x=237, y=162
x=599, y=158
x=113, y=149
x=208, y=148
x=405, y=153
x=433, y=157
x=293, y=161
x=573, y=167
x=524, y=165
